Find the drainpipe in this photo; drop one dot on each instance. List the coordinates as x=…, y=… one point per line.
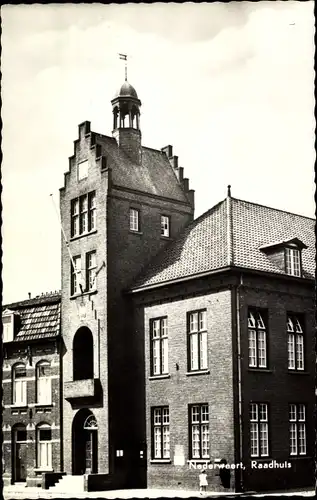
x=239, y=377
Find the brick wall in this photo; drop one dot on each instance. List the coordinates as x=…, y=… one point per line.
x=277, y=385
x=180, y=389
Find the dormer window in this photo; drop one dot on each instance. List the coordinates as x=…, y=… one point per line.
x=292, y=261
x=8, y=325
x=286, y=254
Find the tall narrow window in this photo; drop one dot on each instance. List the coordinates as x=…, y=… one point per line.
x=134, y=220
x=159, y=346
x=259, y=432
x=91, y=211
x=292, y=261
x=43, y=382
x=197, y=339
x=83, y=216
x=19, y=384
x=165, y=226
x=74, y=217
x=295, y=343
x=160, y=432
x=76, y=275
x=44, y=446
x=297, y=429
x=257, y=340
x=91, y=270
x=199, y=431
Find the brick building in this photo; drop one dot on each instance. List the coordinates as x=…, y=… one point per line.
x=121, y=203
x=227, y=312
x=32, y=352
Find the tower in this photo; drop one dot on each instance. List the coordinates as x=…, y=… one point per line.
x=126, y=121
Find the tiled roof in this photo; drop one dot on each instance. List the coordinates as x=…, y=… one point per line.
x=203, y=245
x=38, y=318
x=155, y=175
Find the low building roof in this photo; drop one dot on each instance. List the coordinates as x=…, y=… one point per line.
x=39, y=318
x=231, y=236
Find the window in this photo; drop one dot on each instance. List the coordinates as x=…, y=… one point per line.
x=159, y=346
x=82, y=170
x=160, y=432
x=44, y=446
x=165, y=225
x=199, y=431
x=257, y=340
x=295, y=343
x=19, y=384
x=292, y=261
x=134, y=219
x=91, y=270
x=43, y=382
x=197, y=333
x=83, y=214
x=76, y=275
x=8, y=326
x=259, y=432
x=297, y=429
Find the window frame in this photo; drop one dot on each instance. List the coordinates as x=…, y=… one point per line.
x=299, y=318
x=291, y=263
x=47, y=400
x=200, y=333
x=259, y=424
x=263, y=315
x=136, y=211
x=91, y=271
x=162, y=341
x=48, y=447
x=22, y=382
x=161, y=426
x=297, y=424
x=8, y=319
x=83, y=214
x=74, y=281
x=200, y=423
x=165, y=231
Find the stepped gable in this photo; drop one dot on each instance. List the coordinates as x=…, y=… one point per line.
x=203, y=246
x=38, y=317
x=154, y=175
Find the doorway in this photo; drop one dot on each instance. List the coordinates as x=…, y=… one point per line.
x=19, y=454
x=84, y=443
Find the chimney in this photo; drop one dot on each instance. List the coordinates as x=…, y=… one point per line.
x=29, y=294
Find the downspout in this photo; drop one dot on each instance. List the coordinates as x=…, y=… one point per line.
x=239, y=378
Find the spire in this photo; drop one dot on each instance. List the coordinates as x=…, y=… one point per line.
x=229, y=191
x=124, y=57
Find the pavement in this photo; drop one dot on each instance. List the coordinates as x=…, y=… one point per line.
x=22, y=492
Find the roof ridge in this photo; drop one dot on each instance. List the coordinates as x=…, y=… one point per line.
x=272, y=208
x=40, y=299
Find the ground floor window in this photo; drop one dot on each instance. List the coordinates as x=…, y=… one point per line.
x=199, y=431
x=259, y=432
x=160, y=432
x=297, y=429
x=44, y=446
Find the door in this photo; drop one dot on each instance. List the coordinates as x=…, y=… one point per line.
x=20, y=461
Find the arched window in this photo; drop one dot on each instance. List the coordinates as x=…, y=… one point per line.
x=44, y=446
x=43, y=382
x=83, y=355
x=19, y=384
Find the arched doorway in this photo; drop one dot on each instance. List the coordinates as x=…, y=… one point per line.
x=83, y=354
x=84, y=443
x=19, y=455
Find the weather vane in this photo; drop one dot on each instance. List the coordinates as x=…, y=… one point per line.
x=124, y=57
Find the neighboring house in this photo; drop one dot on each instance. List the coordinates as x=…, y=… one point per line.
x=31, y=389
x=228, y=317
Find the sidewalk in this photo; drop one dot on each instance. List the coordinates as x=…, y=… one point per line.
x=21, y=492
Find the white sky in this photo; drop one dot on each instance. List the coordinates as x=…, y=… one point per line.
x=230, y=86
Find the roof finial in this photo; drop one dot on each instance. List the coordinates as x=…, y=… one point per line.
x=124, y=57
x=229, y=191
